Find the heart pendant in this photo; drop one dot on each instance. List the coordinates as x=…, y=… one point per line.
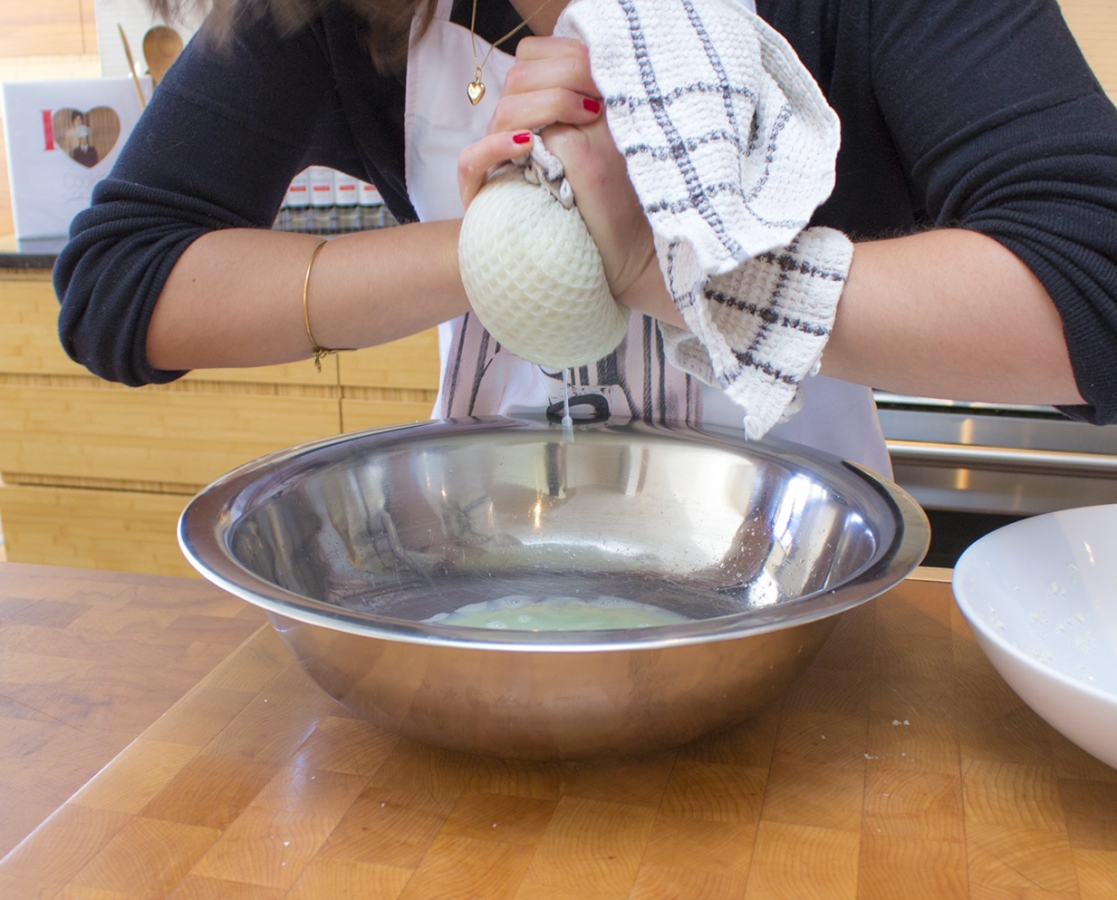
x=475, y=90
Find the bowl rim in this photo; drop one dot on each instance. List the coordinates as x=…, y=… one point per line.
x=200, y=539
x=969, y=559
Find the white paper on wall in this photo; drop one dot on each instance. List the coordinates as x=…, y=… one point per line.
x=63, y=137
x=136, y=18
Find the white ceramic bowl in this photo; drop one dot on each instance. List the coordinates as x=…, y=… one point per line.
x=1041, y=598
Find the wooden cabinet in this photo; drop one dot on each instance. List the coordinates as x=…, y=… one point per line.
x=1094, y=25
x=95, y=474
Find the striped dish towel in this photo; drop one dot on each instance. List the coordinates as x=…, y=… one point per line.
x=730, y=146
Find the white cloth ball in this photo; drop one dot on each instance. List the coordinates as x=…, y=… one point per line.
x=534, y=276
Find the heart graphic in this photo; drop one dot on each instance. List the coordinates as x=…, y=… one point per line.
x=86, y=137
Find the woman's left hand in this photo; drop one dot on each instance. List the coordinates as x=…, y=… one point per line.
x=550, y=88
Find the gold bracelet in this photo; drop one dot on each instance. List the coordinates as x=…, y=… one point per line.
x=319, y=352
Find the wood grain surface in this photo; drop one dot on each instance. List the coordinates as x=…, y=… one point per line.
x=47, y=27
x=899, y=765
x=88, y=660
x=91, y=527
x=96, y=474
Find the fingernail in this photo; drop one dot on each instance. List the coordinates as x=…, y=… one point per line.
x=522, y=138
x=592, y=105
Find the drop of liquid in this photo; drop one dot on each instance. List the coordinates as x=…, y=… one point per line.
x=567, y=422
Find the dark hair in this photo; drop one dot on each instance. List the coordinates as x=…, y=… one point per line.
x=389, y=21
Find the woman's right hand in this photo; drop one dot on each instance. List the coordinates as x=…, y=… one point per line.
x=550, y=89
x=550, y=83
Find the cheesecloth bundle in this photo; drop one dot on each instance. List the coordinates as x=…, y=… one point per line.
x=730, y=147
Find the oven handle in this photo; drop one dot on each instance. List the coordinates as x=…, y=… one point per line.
x=1002, y=459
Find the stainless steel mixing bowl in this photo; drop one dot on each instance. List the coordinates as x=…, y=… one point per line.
x=349, y=543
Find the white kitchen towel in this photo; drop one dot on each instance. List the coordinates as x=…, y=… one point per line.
x=730, y=146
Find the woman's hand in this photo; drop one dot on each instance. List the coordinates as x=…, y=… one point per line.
x=549, y=83
x=550, y=88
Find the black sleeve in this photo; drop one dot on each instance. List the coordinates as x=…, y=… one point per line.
x=225, y=132
x=1007, y=132
x=980, y=115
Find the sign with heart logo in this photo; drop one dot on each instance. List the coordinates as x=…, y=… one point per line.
x=62, y=138
x=86, y=137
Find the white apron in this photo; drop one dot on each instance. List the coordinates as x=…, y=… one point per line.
x=481, y=378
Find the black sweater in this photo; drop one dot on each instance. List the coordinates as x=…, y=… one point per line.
x=982, y=115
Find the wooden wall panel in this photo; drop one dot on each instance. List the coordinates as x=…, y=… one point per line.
x=389, y=384
x=408, y=363
x=357, y=415
x=119, y=530
x=1094, y=24
x=148, y=434
x=29, y=339
x=41, y=28
x=98, y=472
x=302, y=372
x=88, y=10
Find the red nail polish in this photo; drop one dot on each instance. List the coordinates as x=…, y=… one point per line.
x=522, y=138
x=592, y=105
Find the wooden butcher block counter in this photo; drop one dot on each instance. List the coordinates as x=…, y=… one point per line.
x=899, y=765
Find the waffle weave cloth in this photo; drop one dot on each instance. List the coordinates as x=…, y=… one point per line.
x=730, y=146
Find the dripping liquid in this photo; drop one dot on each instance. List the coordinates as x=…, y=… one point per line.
x=567, y=422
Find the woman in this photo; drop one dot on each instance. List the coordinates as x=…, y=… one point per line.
x=977, y=176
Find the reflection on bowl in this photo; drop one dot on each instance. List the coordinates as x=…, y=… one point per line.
x=362, y=548
x=1041, y=598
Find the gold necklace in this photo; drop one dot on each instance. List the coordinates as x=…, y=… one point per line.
x=475, y=90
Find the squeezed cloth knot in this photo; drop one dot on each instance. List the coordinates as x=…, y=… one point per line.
x=541, y=166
